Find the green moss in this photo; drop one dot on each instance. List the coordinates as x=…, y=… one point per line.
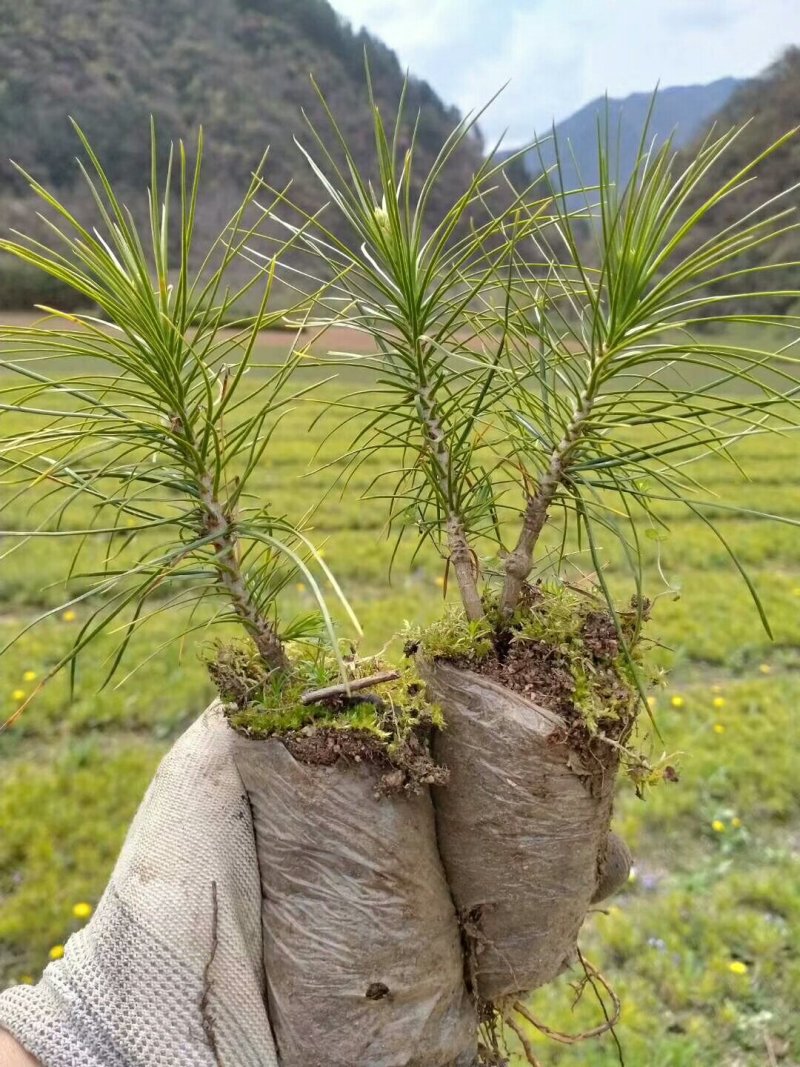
x=453, y=636
x=604, y=656
x=262, y=722
x=565, y=649
x=264, y=706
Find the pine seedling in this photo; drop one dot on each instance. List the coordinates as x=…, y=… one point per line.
x=420, y=288
x=148, y=424
x=532, y=361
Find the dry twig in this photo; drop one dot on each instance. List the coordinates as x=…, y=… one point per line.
x=314, y=696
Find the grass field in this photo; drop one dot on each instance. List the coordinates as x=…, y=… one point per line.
x=703, y=945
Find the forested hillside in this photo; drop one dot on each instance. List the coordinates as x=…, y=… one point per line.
x=679, y=112
x=764, y=110
x=239, y=67
x=769, y=105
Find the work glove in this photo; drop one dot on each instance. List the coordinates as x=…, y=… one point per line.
x=168, y=972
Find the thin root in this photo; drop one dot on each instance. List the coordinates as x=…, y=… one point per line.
x=530, y=1055
x=592, y=974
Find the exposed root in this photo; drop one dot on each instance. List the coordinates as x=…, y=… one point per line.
x=591, y=975
x=592, y=978
x=527, y=1048
x=491, y=1045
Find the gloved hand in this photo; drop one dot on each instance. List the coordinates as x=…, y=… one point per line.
x=168, y=972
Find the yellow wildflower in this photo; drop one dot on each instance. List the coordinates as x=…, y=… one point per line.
x=299, y=587
x=82, y=910
x=26, y=979
x=56, y=952
x=736, y=822
x=651, y=702
x=737, y=967
x=765, y=668
x=718, y=702
x=677, y=702
x=718, y=826
x=719, y=728
x=18, y=694
x=29, y=676
x=439, y=580
x=69, y=615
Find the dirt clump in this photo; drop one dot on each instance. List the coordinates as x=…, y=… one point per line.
x=408, y=769
x=534, y=670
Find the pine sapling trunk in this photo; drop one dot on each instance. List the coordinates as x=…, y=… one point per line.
x=464, y=568
x=461, y=556
x=519, y=562
x=226, y=560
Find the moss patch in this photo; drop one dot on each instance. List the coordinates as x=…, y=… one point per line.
x=563, y=649
x=388, y=727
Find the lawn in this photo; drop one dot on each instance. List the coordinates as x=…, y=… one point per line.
x=699, y=947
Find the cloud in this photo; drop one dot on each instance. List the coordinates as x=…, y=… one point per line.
x=559, y=55
x=415, y=28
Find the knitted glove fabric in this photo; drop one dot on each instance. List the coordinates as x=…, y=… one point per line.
x=168, y=972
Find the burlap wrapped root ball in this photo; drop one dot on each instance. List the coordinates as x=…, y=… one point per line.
x=362, y=949
x=523, y=830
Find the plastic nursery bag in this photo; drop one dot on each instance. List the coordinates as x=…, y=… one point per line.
x=362, y=948
x=522, y=828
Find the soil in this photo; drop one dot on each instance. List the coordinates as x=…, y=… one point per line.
x=407, y=771
x=543, y=675
x=536, y=671
x=321, y=747
x=398, y=750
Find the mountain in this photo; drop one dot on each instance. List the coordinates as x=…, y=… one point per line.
x=239, y=67
x=680, y=110
x=767, y=108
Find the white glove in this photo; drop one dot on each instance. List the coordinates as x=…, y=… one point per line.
x=168, y=973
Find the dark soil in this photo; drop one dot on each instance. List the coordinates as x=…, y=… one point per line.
x=408, y=770
x=543, y=674
x=538, y=672
x=322, y=747
x=600, y=637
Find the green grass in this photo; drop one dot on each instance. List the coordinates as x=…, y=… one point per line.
x=703, y=897
x=73, y=769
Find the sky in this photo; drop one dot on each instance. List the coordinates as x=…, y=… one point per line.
x=557, y=55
